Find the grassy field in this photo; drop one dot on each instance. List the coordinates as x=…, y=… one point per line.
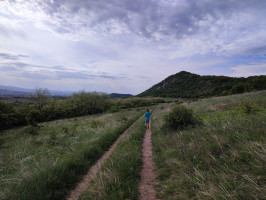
x=120, y=175
x=222, y=158
x=47, y=163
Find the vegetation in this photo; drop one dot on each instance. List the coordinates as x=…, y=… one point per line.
x=188, y=85
x=117, y=95
x=224, y=158
x=41, y=107
x=46, y=161
x=179, y=117
x=120, y=176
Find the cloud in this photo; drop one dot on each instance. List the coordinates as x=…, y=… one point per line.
x=249, y=70
x=26, y=70
x=8, y=56
x=94, y=42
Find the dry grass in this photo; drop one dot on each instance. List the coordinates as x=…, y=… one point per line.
x=24, y=156
x=224, y=158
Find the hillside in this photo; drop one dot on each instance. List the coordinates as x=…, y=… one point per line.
x=188, y=85
x=222, y=156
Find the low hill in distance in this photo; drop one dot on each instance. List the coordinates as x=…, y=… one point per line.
x=117, y=95
x=188, y=85
x=10, y=91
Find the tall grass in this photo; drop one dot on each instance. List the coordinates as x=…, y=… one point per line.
x=120, y=176
x=224, y=158
x=47, y=165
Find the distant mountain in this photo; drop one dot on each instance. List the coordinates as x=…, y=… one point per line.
x=116, y=95
x=17, y=89
x=188, y=85
x=10, y=91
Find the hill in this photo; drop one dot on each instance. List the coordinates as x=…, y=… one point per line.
x=189, y=85
x=116, y=95
x=10, y=91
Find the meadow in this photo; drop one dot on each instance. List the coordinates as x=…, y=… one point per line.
x=48, y=163
x=119, y=177
x=223, y=157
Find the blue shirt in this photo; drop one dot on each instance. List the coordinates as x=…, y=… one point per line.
x=148, y=115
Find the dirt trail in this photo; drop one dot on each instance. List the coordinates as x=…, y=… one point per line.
x=84, y=184
x=146, y=189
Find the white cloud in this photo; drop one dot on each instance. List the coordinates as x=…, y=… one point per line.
x=144, y=41
x=249, y=70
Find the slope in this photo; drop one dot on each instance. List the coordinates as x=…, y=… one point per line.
x=188, y=85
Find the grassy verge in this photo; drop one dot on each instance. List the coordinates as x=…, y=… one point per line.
x=120, y=175
x=47, y=165
x=224, y=158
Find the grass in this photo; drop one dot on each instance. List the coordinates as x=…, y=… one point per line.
x=223, y=158
x=48, y=164
x=227, y=102
x=120, y=175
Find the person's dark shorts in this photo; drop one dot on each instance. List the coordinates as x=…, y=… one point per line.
x=147, y=120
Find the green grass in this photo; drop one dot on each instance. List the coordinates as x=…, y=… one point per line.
x=47, y=165
x=223, y=158
x=120, y=175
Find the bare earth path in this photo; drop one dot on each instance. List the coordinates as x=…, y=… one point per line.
x=146, y=189
x=84, y=184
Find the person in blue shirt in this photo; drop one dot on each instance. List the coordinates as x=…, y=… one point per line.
x=147, y=118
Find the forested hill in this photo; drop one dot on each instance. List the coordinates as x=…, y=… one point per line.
x=188, y=85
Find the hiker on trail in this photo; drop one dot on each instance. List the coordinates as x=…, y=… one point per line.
x=147, y=118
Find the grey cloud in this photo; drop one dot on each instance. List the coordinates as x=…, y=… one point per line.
x=255, y=50
x=148, y=17
x=8, y=56
x=9, y=32
x=51, y=73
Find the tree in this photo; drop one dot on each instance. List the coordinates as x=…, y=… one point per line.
x=41, y=97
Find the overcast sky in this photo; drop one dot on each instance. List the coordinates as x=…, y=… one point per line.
x=127, y=46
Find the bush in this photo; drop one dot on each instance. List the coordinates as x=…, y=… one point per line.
x=32, y=130
x=248, y=108
x=33, y=117
x=96, y=123
x=179, y=117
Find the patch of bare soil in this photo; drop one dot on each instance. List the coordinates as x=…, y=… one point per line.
x=84, y=184
x=146, y=189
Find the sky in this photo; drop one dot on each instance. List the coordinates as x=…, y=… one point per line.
x=127, y=46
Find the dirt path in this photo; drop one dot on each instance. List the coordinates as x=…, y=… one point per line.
x=146, y=189
x=84, y=184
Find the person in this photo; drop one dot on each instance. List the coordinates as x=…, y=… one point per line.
x=147, y=118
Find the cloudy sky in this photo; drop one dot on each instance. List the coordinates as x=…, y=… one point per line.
x=127, y=46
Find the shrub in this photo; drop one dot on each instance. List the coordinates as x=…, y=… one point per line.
x=33, y=117
x=95, y=123
x=32, y=130
x=179, y=117
x=248, y=108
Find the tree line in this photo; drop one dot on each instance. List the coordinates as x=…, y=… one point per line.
x=41, y=106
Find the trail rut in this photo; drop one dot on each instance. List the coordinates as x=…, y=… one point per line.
x=84, y=184
x=146, y=189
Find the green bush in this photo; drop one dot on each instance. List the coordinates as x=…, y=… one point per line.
x=248, y=108
x=95, y=123
x=32, y=130
x=33, y=117
x=179, y=117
